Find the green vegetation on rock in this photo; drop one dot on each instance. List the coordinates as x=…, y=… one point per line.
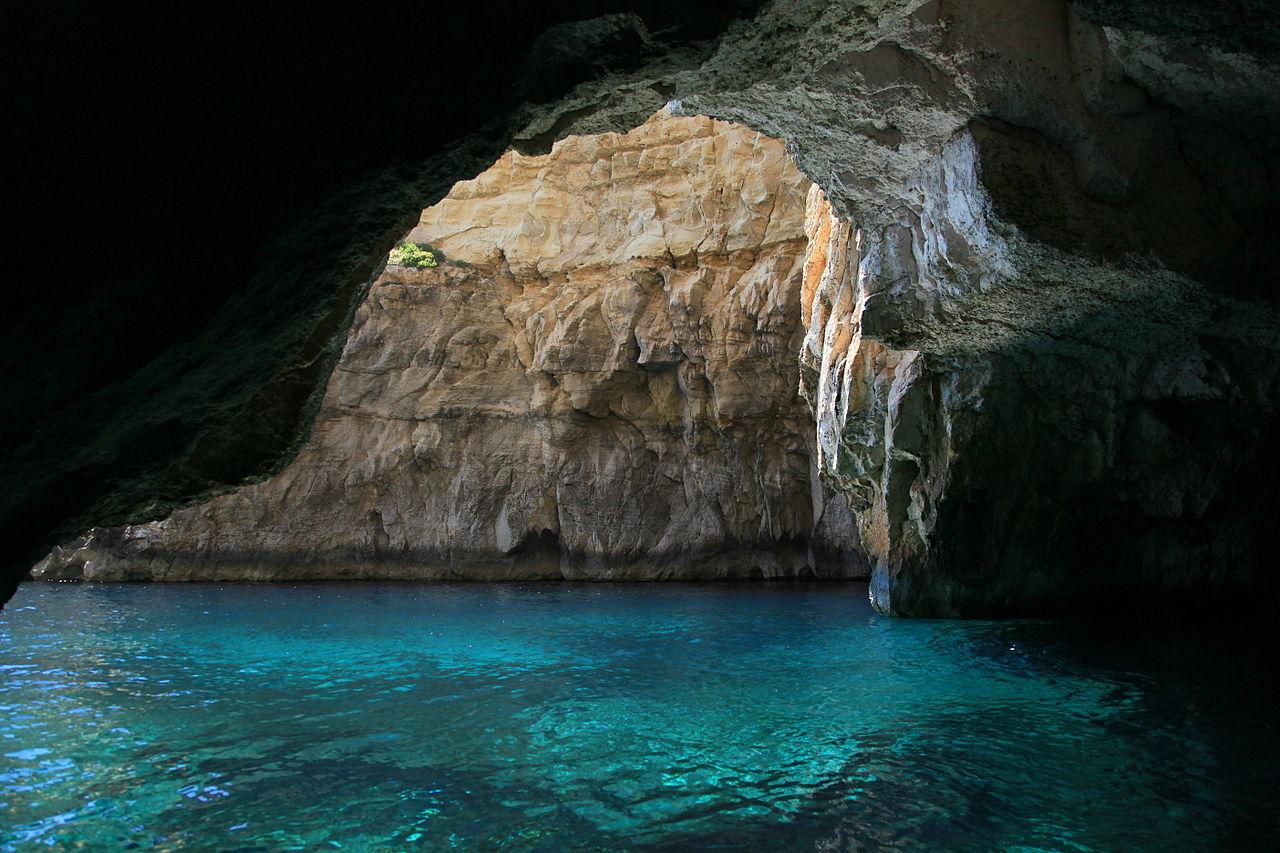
x=417, y=255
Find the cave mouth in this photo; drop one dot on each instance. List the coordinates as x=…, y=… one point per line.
x=601, y=345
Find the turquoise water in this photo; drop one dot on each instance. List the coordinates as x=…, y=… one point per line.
x=560, y=716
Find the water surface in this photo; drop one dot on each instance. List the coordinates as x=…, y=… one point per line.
x=562, y=716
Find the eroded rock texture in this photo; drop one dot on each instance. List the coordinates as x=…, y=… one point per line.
x=1034, y=331
x=600, y=382
x=1041, y=344
x=1032, y=385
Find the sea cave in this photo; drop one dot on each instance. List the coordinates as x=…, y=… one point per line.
x=761, y=425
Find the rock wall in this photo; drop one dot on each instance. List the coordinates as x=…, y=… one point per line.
x=1035, y=390
x=1041, y=345
x=599, y=382
x=1066, y=437
x=1034, y=329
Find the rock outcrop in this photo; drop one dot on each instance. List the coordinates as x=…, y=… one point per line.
x=1033, y=384
x=1034, y=328
x=599, y=382
x=191, y=353
x=1041, y=344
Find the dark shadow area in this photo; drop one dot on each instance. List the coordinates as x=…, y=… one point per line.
x=1123, y=459
x=1198, y=199
x=1122, y=465
x=1229, y=24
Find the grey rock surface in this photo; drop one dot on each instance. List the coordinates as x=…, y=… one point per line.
x=1041, y=354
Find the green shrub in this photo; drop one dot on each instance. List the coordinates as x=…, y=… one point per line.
x=417, y=255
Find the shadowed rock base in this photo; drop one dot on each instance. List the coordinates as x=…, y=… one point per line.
x=82, y=560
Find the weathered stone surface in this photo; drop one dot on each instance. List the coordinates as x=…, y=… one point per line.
x=1035, y=329
x=1034, y=390
x=1052, y=445
x=601, y=382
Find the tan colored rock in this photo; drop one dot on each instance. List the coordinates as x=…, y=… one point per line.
x=600, y=382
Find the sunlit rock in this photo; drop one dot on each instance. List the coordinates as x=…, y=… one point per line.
x=600, y=380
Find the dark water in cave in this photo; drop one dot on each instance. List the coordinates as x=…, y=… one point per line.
x=560, y=716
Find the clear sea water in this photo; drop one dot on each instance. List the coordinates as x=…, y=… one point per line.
x=561, y=716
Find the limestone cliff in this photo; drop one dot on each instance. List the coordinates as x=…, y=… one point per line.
x=1033, y=329
x=600, y=381
x=1041, y=345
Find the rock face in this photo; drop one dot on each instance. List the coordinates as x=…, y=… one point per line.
x=1034, y=330
x=1041, y=344
x=191, y=353
x=1035, y=387
x=599, y=382
x=1047, y=441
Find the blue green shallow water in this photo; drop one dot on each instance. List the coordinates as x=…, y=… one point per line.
x=560, y=716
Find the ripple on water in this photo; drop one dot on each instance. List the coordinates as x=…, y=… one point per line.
x=669, y=717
